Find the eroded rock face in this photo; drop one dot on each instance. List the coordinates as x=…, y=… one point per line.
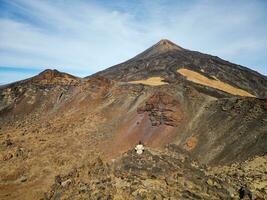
x=162, y=109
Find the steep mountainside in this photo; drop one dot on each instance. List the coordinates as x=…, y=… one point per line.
x=165, y=58
x=203, y=122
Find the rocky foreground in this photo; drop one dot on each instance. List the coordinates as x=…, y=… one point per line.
x=161, y=175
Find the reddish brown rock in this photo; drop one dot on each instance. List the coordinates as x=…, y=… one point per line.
x=162, y=109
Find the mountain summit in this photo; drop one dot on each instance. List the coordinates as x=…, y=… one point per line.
x=167, y=45
x=163, y=46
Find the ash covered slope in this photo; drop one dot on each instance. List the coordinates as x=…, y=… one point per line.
x=165, y=58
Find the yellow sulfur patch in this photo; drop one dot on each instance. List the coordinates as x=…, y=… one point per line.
x=153, y=81
x=217, y=84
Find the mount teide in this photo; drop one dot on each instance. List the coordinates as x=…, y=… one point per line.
x=191, y=110
x=165, y=58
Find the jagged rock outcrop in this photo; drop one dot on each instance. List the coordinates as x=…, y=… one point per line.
x=162, y=109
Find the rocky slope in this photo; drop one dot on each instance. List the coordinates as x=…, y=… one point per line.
x=165, y=58
x=202, y=120
x=157, y=175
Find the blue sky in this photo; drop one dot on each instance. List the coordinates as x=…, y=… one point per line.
x=83, y=37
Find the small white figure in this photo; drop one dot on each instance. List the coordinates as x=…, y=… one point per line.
x=139, y=148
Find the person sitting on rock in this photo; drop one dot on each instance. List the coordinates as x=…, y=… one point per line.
x=139, y=148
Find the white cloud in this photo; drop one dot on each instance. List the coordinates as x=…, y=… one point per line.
x=83, y=38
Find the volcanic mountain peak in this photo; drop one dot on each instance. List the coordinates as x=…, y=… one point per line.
x=163, y=46
x=164, y=60
x=167, y=44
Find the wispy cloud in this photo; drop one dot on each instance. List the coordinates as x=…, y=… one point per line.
x=82, y=37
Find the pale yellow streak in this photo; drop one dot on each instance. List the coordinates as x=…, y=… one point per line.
x=217, y=84
x=153, y=81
